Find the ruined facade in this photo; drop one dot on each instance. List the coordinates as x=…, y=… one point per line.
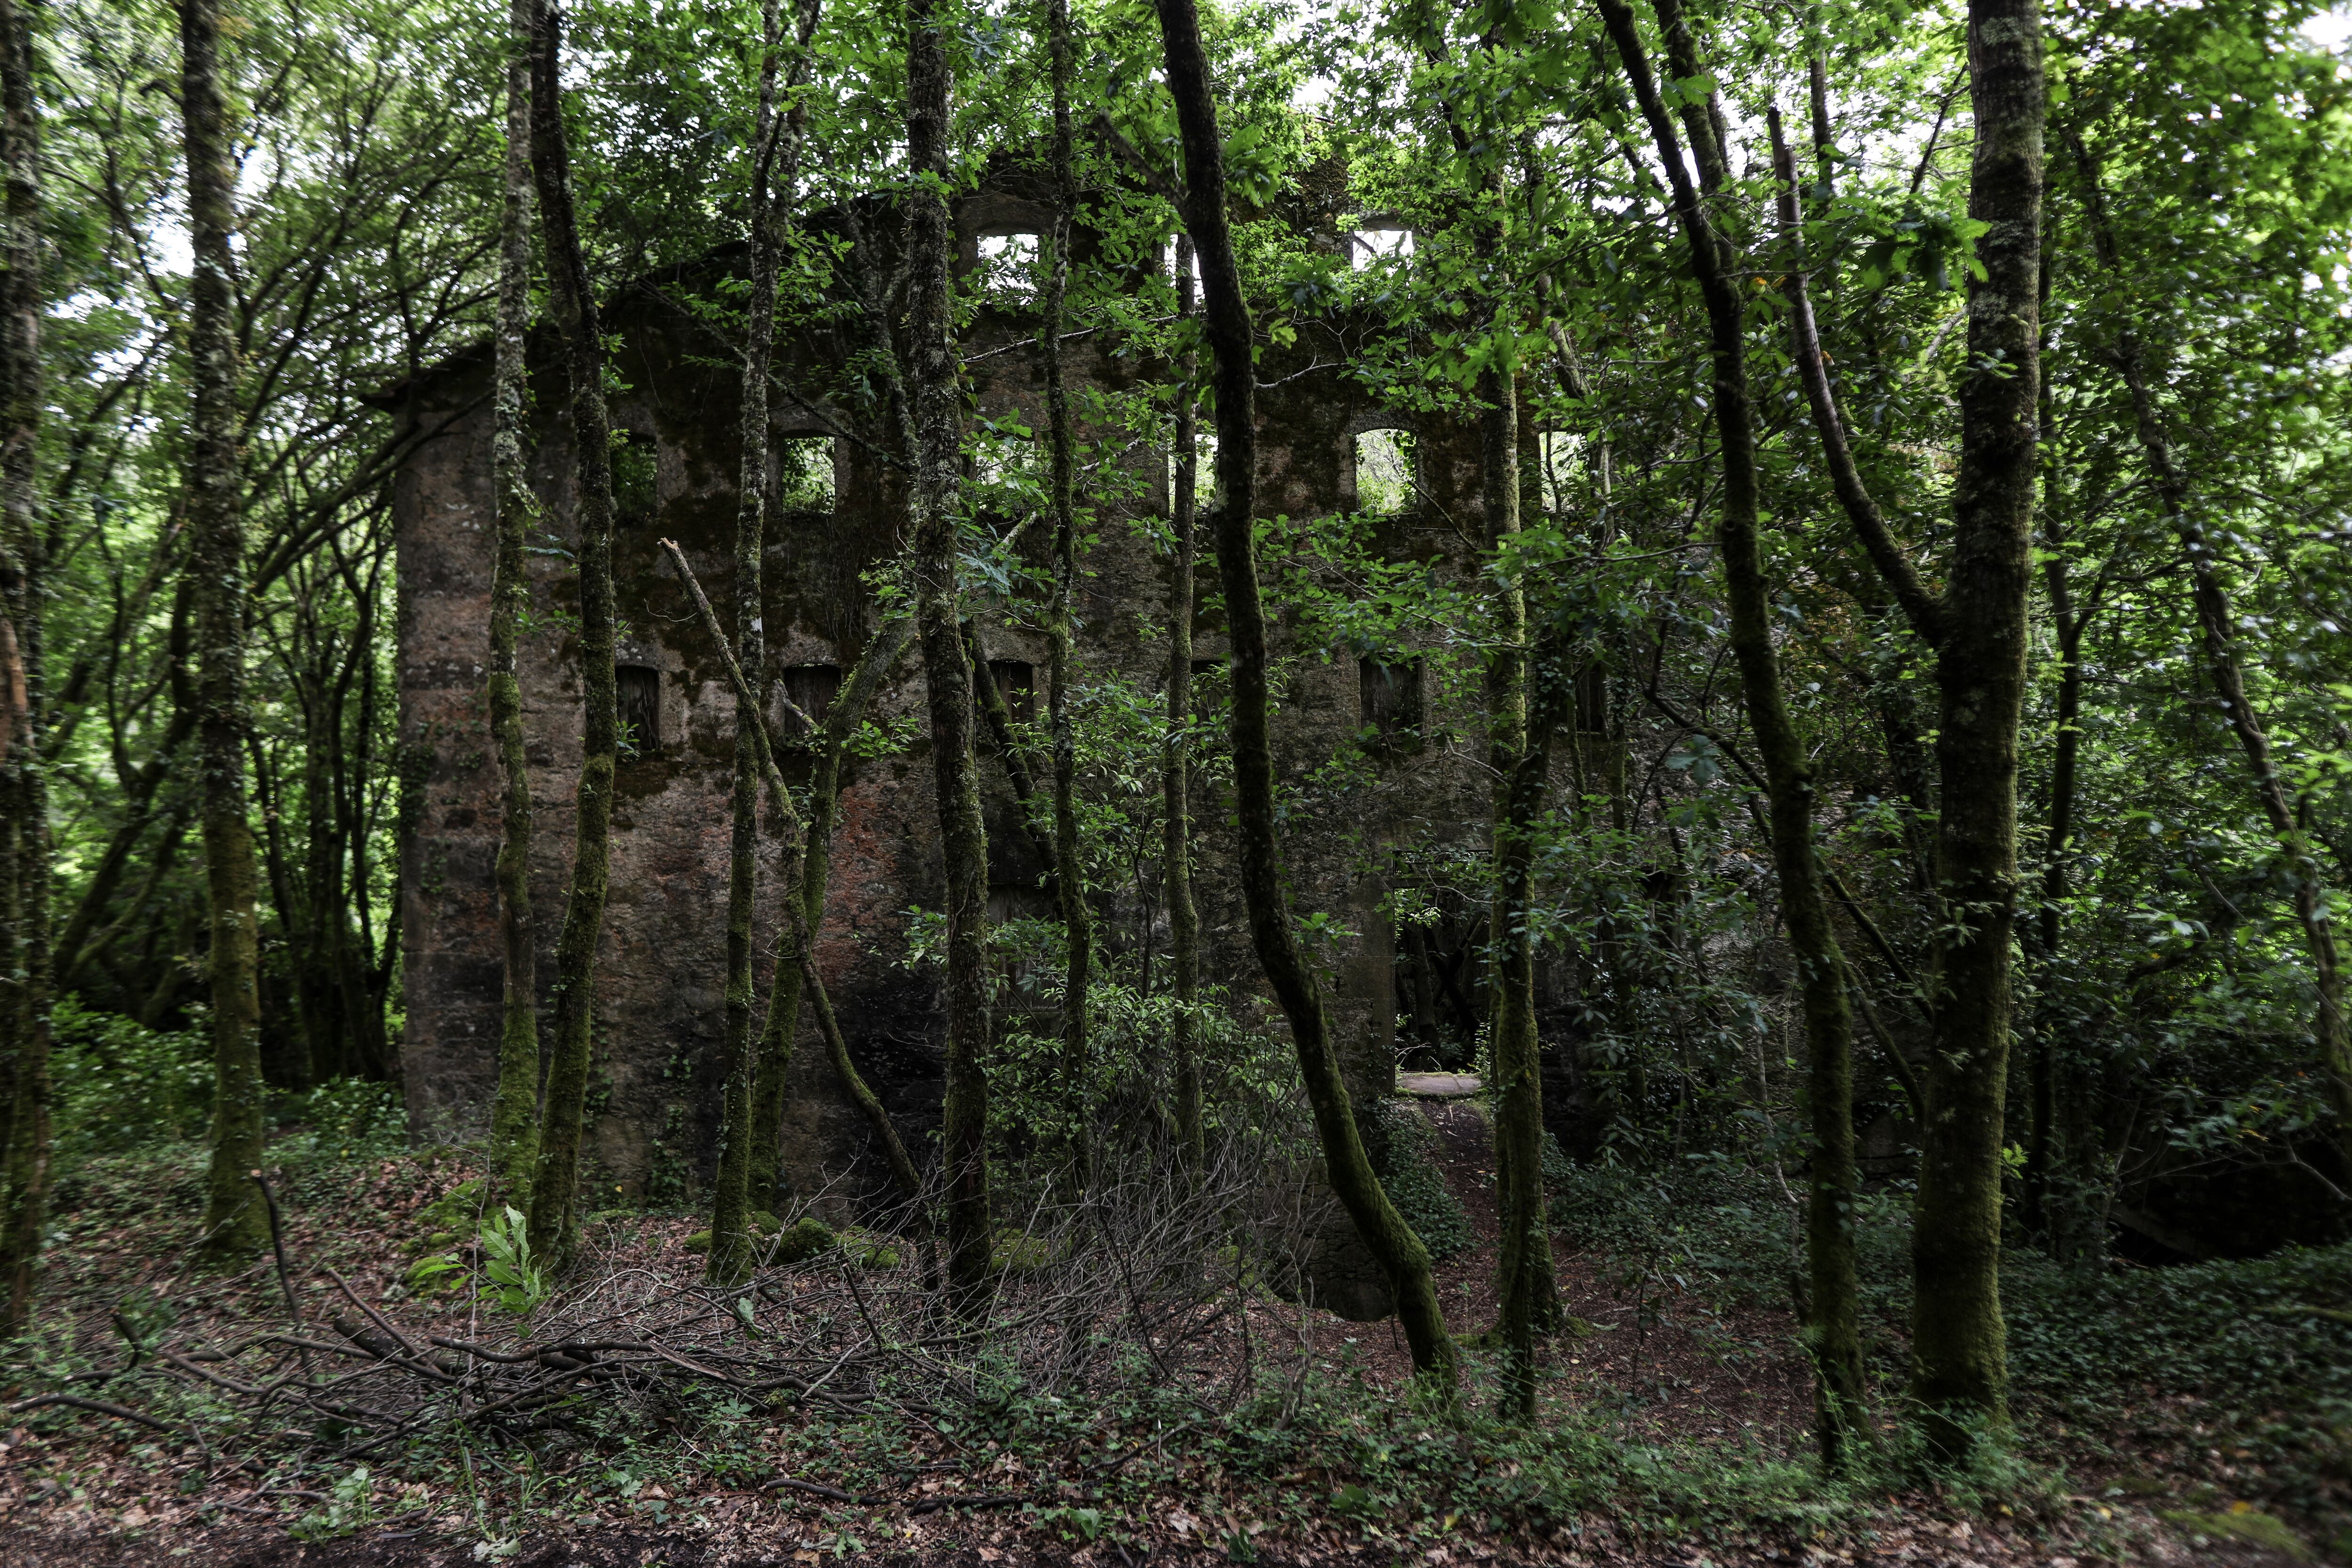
x=837, y=515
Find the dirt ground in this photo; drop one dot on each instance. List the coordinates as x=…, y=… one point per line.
x=1694, y=1391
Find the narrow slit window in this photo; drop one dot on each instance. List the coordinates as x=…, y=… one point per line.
x=1384, y=472
x=804, y=474
x=1390, y=696
x=638, y=689
x=1016, y=682
x=1204, y=472
x=810, y=687
x=1562, y=458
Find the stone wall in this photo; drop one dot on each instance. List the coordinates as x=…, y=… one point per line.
x=655, y=1097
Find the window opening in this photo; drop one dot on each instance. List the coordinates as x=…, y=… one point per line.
x=1016, y=682
x=804, y=474
x=1384, y=472
x=810, y=687
x=1379, y=246
x=638, y=689
x=1562, y=455
x=1390, y=693
x=1204, y=471
x=635, y=480
x=1008, y=266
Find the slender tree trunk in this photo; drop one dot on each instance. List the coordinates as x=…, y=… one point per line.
x=233, y=1218
x=785, y=993
x=1176, y=828
x=572, y=300
x=1788, y=775
x=26, y=960
x=2217, y=626
x=1960, y=1373
x=731, y=1241
x=1391, y=1241
x=1069, y=868
x=948, y=674
x=1527, y=1296
x=514, y=1109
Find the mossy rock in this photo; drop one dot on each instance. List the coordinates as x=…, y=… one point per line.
x=2243, y=1522
x=1018, y=1252
x=869, y=1249
x=699, y=1242
x=435, y=1271
x=804, y=1239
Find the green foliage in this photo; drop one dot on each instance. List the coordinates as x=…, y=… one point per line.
x=120, y=1086
x=1407, y=1164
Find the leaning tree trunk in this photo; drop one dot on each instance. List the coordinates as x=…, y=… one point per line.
x=234, y=1223
x=1176, y=837
x=1393, y=1243
x=555, y=1183
x=948, y=675
x=2218, y=628
x=1069, y=874
x=1786, y=768
x=26, y=960
x=514, y=1109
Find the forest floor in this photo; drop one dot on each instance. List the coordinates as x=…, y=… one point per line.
x=1674, y=1421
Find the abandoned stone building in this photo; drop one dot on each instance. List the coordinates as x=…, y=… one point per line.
x=837, y=513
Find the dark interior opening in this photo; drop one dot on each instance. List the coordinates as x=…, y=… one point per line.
x=811, y=689
x=638, y=687
x=1391, y=696
x=1016, y=682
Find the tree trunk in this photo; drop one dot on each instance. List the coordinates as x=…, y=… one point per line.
x=514, y=1108
x=2218, y=625
x=1393, y=1243
x=1831, y=1292
x=1961, y=1374
x=555, y=1182
x=26, y=960
x=1176, y=829
x=233, y=1218
x=730, y=1242
x=948, y=675
x=785, y=993
x=1069, y=874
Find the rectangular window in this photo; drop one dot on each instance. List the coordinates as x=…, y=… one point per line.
x=1016, y=682
x=638, y=687
x=1384, y=473
x=1008, y=268
x=804, y=477
x=1390, y=696
x=812, y=689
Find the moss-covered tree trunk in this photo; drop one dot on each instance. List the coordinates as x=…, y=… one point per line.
x=1959, y=1353
x=234, y=1223
x=730, y=1258
x=571, y=299
x=1069, y=866
x=26, y=960
x=947, y=676
x=1226, y=314
x=1175, y=756
x=1831, y=1295
x=514, y=1109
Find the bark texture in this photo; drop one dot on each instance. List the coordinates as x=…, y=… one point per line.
x=1960, y=1373
x=1225, y=314
x=730, y=1258
x=947, y=676
x=571, y=297
x=1069, y=866
x=234, y=1223
x=514, y=1110
x=27, y=980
